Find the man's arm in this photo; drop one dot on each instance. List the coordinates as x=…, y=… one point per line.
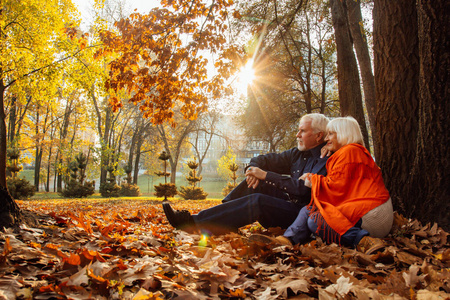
x=295, y=187
x=279, y=163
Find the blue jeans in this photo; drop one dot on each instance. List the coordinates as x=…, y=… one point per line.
x=268, y=210
x=301, y=229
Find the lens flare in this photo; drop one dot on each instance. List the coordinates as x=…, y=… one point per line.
x=203, y=240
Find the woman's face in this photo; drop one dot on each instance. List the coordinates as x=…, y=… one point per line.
x=332, y=142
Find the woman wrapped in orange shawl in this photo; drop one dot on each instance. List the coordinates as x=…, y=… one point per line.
x=351, y=202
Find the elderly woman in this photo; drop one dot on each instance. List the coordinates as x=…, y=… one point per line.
x=350, y=205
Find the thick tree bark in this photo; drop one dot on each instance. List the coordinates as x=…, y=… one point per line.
x=396, y=61
x=429, y=191
x=350, y=97
x=363, y=56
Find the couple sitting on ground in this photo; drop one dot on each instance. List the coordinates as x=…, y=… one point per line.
x=334, y=191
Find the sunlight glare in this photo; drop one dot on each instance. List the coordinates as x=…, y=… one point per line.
x=246, y=77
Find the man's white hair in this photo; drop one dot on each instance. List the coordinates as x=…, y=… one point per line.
x=347, y=130
x=318, y=122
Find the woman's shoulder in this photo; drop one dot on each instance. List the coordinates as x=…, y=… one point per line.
x=352, y=149
x=353, y=153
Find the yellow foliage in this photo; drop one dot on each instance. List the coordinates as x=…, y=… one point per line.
x=223, y=164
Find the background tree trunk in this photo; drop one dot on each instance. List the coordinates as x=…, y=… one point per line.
x=3, y=139
x=365, y=66
x=350, y=97
x=137, y=160
x=62, y=137
x=396, y=62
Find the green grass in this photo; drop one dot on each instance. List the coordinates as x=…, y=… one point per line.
x=28, y=174
x=212, y=186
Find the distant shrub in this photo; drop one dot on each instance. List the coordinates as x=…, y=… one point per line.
x=228, y=188
x=77, y=187
x=74, y=189
x=233, y=167
x=20, y=188
x=109, y=189
x=130, y=190
x=165, y=190
x=192, y=191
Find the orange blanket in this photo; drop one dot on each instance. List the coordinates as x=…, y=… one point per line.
x=353, y=187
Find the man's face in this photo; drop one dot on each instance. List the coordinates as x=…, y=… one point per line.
x=306, y=137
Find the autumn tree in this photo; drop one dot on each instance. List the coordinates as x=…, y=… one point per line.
x=294, y=62
x=411, y=76
x=269, y=116
x=139, y=133
x=205, y=128
x=161, y=58
x=174, y=141
x=34, y=39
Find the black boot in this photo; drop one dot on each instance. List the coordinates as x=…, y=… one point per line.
x=180, y=219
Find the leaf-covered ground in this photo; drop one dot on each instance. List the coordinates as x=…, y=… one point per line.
x=125, y=249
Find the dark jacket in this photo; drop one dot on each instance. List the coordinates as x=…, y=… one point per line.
x=284, y=169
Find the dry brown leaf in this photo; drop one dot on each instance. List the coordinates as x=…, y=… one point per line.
x=292, y=283
x=130, y=254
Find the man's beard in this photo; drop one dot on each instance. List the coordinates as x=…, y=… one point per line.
x=301, y=147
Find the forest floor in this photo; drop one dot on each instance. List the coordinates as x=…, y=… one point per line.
x=125, y=249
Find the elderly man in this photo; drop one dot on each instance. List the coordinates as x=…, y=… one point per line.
x=268, y=195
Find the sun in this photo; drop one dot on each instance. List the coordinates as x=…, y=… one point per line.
x=245, y=77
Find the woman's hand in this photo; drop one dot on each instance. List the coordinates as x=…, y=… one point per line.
x=307, y=178
x=325, y=152
x=253, y=175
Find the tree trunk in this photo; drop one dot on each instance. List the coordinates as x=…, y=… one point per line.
x=37, y=167
x=9, y=211
x=12, y=121
x=350, y=97
x=38, y=155
x=396, y=62
x=3, y=139
x=133, y=149
x=363, y=56
x=429, y=191
x=47, y=186
x=137, y=161
x=104, y=161
x=62, y=137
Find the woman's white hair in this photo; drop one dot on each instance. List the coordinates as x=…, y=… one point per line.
x=347, y=130
x=318, y=122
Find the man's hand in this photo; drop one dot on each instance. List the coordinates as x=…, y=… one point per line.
x=253, y=175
